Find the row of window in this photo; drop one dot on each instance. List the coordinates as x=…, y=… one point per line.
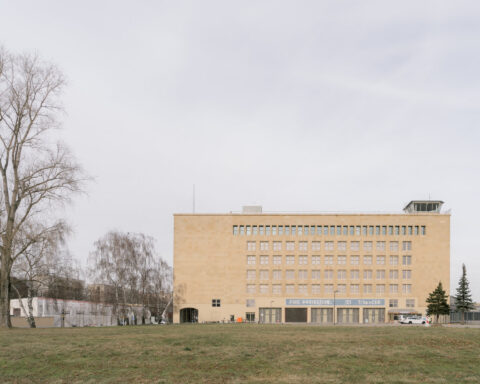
x=329, y=245
x=392, y=303
x=330, y=230
x=315, y=274
x=315, y=289
x=328, y=260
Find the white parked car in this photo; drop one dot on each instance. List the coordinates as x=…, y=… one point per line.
x=413, y=320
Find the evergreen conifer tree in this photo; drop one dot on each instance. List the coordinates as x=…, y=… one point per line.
x=463, y=298
x=437, y=302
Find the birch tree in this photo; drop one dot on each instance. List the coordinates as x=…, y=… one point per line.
x=36, y=171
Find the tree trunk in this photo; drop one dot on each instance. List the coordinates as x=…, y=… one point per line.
x=30, y=318
x=5, y=293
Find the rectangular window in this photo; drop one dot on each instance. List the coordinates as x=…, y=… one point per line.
x=277, y=245
x=380, y=288
x=316, y=246
x=251, y=260
x=290, y=245
x=339, y=230
x=407, y=288
x=380, y=260
x=249, y=230
x=394, y=246
x=312, y=230
x=251, y=274
x=300, y=230
x=354, y=274
x=328, y=260
x=303, y=246
x=377, y=230
x=367, y=274
x=315, y=289
x=424, y=230
x=250, y=302
x=290, y=289
x=290, y=274
x=410, y=230
x=303, y=274
x=263, y=288
x=316, y=274
x=332, y=230
x=274, y=230
x=264, y=245
x=255, y=230
x=341, y=274
x=294, y=230
x=393, y=288
x=384, y=230
x=267, y=230
x=342, y=288
x=277, y=274
x=406, y=274
x=364, y=230
x=315, y=260
x=342, y=260
x=416, y=230
x=355, y=245
x=397, y=230
x=367, y=260
x=404, y=230
x=380, y=245
x=329, y=245
x=393, y=260
x=390, y=230
x=367, y=288
x=354, y=260
x=370, y=230
x=352, y=230
x=235, y=230
x=242, y=230
x=410, y=303
x=302, y=260
x=319, y=230
x=263, y=274
x=328, y=288
x=342, y=245
x=328, y=274
x=277, y=260
x=380, y=274
x=406, y=260
x=393, y=303
x=280, y=230
x=251, y=288
x=261, y=230
x=287, y=230
x=345, y=230
x=325, y=230
x=393, y=274
x=406, y=246
x=276, y=289
x=251, y=245
x=290, y=260
x=354, y=289
x=367, y=245
x=215, y=302
x=263, y=260
x=358, y=230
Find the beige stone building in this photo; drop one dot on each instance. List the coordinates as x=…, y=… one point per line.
x=319, y=268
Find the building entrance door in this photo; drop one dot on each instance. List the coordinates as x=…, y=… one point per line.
x=189, y=315
x=322, y=315
x=270, y=315
x=373, y=315
x=295, y=315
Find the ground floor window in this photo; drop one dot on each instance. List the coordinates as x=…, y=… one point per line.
x=250, y=316
x=373, y=315
x=322, y=315
x=270, y=315
x=347, y=315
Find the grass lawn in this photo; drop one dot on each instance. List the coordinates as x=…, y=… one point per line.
x=240, y=353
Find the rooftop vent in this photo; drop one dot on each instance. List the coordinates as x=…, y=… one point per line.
x=252, y=209
x=419, y=206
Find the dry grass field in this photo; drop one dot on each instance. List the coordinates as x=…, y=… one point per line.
x=237, y=353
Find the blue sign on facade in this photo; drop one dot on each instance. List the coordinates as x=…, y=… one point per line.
x=338, y=302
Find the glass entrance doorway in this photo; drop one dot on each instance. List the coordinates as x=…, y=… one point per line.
x=373, y=315
x=322, y=315
x=270, y=315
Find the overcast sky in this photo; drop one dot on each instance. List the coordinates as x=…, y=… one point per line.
x=294, y=105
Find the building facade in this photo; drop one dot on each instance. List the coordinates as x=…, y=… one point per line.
x=319, y=268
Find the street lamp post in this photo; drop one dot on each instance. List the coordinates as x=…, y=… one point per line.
x=334, y=302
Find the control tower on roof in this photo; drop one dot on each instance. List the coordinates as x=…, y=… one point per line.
x=423, y=206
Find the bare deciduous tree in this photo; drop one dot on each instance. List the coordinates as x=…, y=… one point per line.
x=35, y=171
